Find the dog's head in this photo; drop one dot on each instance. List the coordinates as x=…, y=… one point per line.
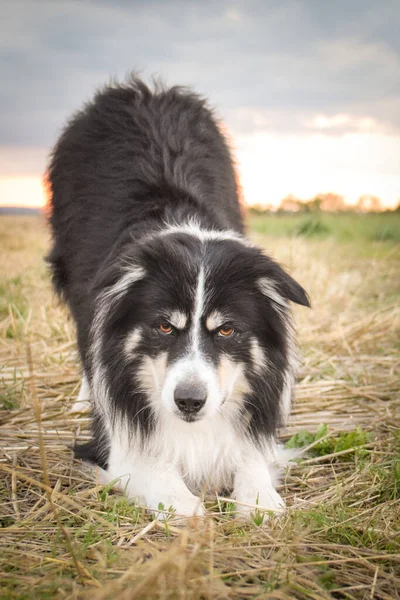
x=192, y=323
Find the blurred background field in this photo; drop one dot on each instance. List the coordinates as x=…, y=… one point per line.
x=64, y=536
x=344, y=227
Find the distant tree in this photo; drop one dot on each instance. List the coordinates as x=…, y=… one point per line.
x=331, y=202
x=312, y=206
x=270, y=208
x=258, y=209
x=290, y=204
x=368, y=203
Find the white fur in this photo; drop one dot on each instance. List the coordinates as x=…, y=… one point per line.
x=198, y=311
x=131, y=275
x=286, y=396
x=185, y=369
x=233, y=385
x=254, y=486
x=258, y=357
x=147, y=478
x=180, y=461
x=151, y=377
x=290, y=375
x=193, y=228
x=215, y=320
x=178, y=319
x=131, y=342
x=82, y=403
x=268, y=288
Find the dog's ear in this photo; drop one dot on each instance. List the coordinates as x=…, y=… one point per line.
x=279, y=286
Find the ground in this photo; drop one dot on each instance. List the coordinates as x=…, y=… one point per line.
x=64, y=536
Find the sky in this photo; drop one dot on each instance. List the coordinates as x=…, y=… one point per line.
x=309, y=90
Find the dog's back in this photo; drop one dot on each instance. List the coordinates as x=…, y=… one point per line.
x=127, y=160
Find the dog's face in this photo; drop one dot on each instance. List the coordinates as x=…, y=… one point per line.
x=193, y=324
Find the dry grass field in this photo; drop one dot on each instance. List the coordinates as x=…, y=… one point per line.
x=64, y=536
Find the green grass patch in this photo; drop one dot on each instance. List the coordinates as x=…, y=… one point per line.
x=344, y=227
x=339, y=524
x=11, y=390
x=311, y=227
x=353, y=440
x=388, y=472
x=13, y=306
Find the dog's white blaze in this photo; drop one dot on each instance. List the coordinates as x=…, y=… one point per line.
x=226, y=385
x=258, y=357
x=178, y=319
x=132, y=341
x=215, y=320
x=193, y=366
x=198, y=311
x=269, y=289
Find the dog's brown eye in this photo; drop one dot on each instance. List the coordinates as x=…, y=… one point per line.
x=225, y=331
x=165, y=328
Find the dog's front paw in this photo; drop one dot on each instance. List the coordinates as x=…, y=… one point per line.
x=167, y=505
x=249, y=501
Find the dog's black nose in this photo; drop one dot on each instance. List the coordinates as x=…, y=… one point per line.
x=190, y=398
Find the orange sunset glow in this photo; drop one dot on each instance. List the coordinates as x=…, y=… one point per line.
x=271, y=167
x=21, y=191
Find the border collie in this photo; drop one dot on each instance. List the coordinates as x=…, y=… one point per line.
x=183, y=326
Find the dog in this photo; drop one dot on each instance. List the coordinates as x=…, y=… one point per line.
x=183, y=326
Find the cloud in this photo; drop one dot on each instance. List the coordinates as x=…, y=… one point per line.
x=282, y=66
x=232, y=14
x=246, y=120
x=17, y=160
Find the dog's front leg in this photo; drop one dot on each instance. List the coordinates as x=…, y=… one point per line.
x=158, y=486
x=254, y=488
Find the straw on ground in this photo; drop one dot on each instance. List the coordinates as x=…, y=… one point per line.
x=64, y=536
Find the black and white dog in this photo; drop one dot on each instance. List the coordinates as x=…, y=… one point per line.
x=183, y=325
